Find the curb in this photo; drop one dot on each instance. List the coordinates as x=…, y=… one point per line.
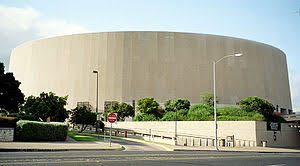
x=158, y=144
x=246, y=151
x=72, y=149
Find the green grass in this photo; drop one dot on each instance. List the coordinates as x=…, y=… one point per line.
x=90, y=133
x=84, y=138
x=71, y=134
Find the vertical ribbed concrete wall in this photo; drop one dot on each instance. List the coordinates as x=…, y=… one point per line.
x=163, y=65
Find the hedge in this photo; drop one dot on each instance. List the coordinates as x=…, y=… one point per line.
x=41, y=131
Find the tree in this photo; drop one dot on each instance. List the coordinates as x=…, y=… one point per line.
x=145, y=117
x=255, y=103
x=83, y=116
x=10, y=94
x=167, y=103
x=207, y=99
x=148, y=105
x=178, y=104
x=123, y=110
x=46, y=105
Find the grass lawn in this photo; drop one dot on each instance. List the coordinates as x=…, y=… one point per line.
x=90, y=133
x=70, y=134
x=84, y=138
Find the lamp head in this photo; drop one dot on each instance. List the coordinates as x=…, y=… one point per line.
x=95, y=71
x=238, y=54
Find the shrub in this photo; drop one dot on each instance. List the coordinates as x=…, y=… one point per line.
x=199, y=115
x=235, y=114
x=207, y=99
x=145, y=117
x=148, y=106
x=41, y=131
x=200, y=112
x=171, y=116
x=178, y=104
x=84, y=116
x=122, y=109
x=254, y=103
x=8, y=121
x=203, y=107
x=46, y=105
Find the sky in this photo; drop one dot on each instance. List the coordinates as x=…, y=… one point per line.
x=274, y=22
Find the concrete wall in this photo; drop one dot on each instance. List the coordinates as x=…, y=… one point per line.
x=288, y=136
x=6, y=134
x=246, y=133
x=163, y=65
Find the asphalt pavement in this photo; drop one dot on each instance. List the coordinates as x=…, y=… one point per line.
x=153, y=158
x=135, y=145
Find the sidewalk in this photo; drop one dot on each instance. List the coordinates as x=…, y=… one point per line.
x=168, y=147
x=233, y=149
x=67, y=145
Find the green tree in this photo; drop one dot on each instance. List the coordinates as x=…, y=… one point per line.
x=10, y=94
x=207, y=99
x=255, y=103
x=171, y=116
x=148, y=105
x=200, y=112
x=46, y=105
x=123, y=110
x=144, y=117
x=179, y=104
x=83, y=116
x=167, y=103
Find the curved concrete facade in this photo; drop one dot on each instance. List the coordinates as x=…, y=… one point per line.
x=163, y=65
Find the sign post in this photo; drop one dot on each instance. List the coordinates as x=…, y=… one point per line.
x=112, y=118
x=97, y=122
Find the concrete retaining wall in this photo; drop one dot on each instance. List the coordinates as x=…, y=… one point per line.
x=6, y=134
x=196, y=133
x=287, y=137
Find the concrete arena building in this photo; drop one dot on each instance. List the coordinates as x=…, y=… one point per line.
x=163, y=65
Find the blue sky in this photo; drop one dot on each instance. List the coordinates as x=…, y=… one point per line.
x=274, y=22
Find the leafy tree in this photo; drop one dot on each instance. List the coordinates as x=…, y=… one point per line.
x=83, y=116
x=255, y=103
x=46, y=105
x=171, y=116
x=145, y=117
x=179, y=104
x=123, y=110
x=200, y=112
x=148, y=106
x=10, y=94
x=207, y=99
x=167, y=103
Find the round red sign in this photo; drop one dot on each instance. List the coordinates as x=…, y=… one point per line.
x=112, y=117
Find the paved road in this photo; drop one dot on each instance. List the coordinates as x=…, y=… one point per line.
x=137, y=146
x=148, y=158
x=129, y=145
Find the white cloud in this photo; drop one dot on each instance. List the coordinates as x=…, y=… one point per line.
x=16, y=19
x=58, y=27
x=295, y=91
x=19, y=25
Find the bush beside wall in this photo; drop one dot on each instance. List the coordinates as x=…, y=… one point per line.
x=41, y=131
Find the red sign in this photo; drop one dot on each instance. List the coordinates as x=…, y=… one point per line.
x=112, y=117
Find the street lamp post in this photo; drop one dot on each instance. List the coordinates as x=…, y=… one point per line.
x=215, y=100
x=95, y=71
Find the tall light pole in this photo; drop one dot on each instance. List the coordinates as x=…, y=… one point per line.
x=215, y=100
x=95, y=71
